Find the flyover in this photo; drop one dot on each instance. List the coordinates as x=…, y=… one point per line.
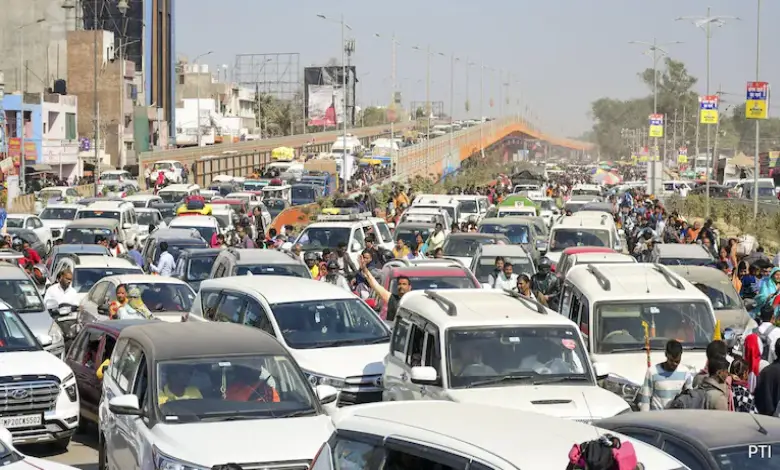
x=438, y=156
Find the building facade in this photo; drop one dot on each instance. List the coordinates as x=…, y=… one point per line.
x=48, y=139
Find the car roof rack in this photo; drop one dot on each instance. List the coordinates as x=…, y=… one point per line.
x=343, y=217
x=398, y=263
x=448, y=305
x=535, y=304
x=600, y=277
x=9, y=254
x=670, y=278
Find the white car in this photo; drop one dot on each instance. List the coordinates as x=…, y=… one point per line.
x=40, y=402
x=57, y=216
x=143, y=200
x=206, y=225
x=239, y=383
x=172, y=170
x=117, y=177
x=146, y=217
x=31, y=222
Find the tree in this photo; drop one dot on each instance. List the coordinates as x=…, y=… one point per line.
x=372, y=116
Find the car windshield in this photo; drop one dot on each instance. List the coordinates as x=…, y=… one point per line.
x=205, y=232
x=450, y=210
x=92, y=214
x=463, y=246
x=146, y=218
x=223, y=218
x=15, y=336
x=21, y=295
x=172, y=196
x=585, y=192
x=45, y=195
x=436, y=282
x=468, y=206
x=167, y=212
x=685, y=261
x=516, y=233
x=766, y=191
x=85, y=278
x=517, y=213
x=483, y=357
x=199, y=268
x=162, y=166
x=176, y=247
x=84, y=236
x=746, y=457
x=574, y=206
x=546, y=204
x=293, y=270
x=409, y=236
x=165, y=297
x=14, y=222
x=329, y=323
x=723, y=297
x=567, y=237
x=53, y=213
x=111, y=176
x=487, y=265
x=618, y=326
x=139, y=204
x=302, y=192
x=63, y=250
x=317, y=238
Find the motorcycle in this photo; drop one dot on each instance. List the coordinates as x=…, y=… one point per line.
x=66, y=316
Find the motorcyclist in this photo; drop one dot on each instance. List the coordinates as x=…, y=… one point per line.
x=39, y=274
x=546, y=283
x=311, y=260
x=334, y=277
x=644, y=247
x=63, y=291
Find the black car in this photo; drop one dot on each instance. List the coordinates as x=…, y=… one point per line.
x=275, y=206
x=194, y=265
x=704, y=439
x=716, y=190
x=30, y=237
x=178, y=240
x=167, y=209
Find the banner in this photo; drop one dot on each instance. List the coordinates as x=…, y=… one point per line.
x=656, y=125
x=326, y=105
x=773, y=158
x=708, y=109
x=682, y=155
x=757, y=100
x=333, y=78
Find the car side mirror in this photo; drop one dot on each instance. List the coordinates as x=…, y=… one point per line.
x=601, y=369
x=45, y=340
x=356, y=246
x=487, y=287
x=326, y=394
x=51, y=306
x=125, y=405
x=424, y=375
x=103, y=310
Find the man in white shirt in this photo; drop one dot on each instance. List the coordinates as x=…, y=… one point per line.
x=62, y=292
x=506, y=280
x=767, y=330
x=436, y=239
x=166, y=265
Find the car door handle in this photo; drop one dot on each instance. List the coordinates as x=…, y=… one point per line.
x=404, y=377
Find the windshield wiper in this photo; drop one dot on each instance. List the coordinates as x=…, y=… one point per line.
x=549, y=380
x=296, y=414
x=232, y=417
x=501, y=379
x=30, y=309
x=633, y=348
x=332, y=344
x=382, y=339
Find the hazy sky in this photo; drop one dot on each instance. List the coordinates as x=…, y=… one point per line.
x=562, y=54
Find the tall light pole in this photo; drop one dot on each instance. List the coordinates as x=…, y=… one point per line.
x=482, y=109
x=197, y=87
x=427, y=102
x=392, y=111
x=654, y=48
x=706, y=23
x=453, y=59
x=344, y=26
x=23, y=88
x=758, y=131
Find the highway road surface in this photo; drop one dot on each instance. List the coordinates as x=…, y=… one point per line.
x=82, y=452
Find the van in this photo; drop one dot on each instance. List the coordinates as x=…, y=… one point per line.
x=351, y=146
x=583, y=229
x=122, y=212
x=472, y=207
x=620, y=309
x=446, y=202
x=178, y=192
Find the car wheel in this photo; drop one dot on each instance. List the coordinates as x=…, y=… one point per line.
x=102, y=454
x=61, y=444
x=48, y=247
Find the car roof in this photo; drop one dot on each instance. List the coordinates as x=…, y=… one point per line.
x=632, y=281
x=475, y=235
x=194, y=221
x=141, y=197
x=415, y=226
x=77, y=248
x=576, y=250
x=94, y=222
x=505, y=221
x=430, y=271
x=11, y=271
x=577, y=220
x=512, y=251
x=116, y=326
x=143, y=279
x=175, y=234
x=251, y=256
x=105, y=206
x=281, y=289
x=20, y=216
x=179, y=187
x=702, y=274
x=201, y=252
x=681, y=250
x=141, y=210
x=61, y=205
x=491, y=432
x=585, y=258
x=477, y=307
x=711, y=428
x=103, y=261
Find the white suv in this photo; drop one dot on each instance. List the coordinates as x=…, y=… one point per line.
x=333, y=335
x=493, y=347
x=39, y=400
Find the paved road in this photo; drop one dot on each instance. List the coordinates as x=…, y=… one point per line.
x=82, y=452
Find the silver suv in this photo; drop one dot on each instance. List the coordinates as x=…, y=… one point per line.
x=239, y=262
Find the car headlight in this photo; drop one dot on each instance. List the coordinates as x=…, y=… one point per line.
x=319, y=379
x=56, y=333
x=69, y=385
x=165, y=462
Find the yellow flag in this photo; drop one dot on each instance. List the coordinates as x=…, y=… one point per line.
x=717, y=335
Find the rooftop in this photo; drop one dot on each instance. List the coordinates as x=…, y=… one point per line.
x=194, y=221
x=512, y=251
x=144, y=279
x=679, y=250
x=94, y=222
x=634, y=281
x=101, y=261
x=281, y=289
x=251, y=256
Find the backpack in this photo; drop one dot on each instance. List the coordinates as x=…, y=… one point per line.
x=689, y=399
x=765, y=341
x=604, y=453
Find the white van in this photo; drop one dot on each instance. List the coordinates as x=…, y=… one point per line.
x=177, y=192
x=349, y=146
x=586, y=190
x=472, y=206
x=582, y=229
x=123, y=212
x=444, y=201
x=612, y=304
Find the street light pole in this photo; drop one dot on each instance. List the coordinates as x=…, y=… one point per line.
x=23, y=89
x=481, y=109
x=197, y=88
x=655, y=48
x=453, y=59
x=758, y=121
x=706, y=22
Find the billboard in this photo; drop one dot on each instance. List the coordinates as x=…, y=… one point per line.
x=324, y=95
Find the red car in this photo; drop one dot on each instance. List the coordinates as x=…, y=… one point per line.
x=433, y=276
x=577, y=250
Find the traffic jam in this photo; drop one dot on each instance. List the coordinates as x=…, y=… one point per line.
x=555, y=316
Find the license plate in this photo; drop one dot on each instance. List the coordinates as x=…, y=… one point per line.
x=11, y=422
